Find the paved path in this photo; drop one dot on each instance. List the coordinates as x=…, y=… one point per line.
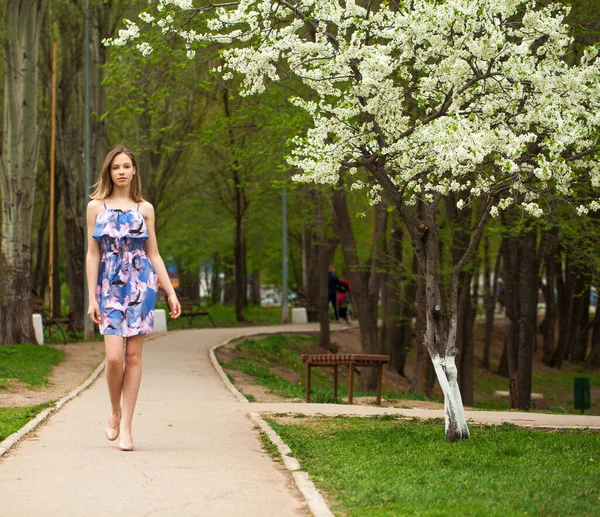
x=197, y=452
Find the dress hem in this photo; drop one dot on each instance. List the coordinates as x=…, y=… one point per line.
x=122, y=335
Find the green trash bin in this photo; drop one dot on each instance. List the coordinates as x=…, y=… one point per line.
x=582, y=393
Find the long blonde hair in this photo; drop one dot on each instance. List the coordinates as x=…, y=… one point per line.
x=104, y=186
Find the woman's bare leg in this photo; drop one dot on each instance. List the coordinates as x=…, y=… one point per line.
x=131, y=386
x=114, y=346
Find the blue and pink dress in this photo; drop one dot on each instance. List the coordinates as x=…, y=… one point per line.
x=127, y=281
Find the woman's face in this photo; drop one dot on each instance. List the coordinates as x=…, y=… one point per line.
x=121, y=170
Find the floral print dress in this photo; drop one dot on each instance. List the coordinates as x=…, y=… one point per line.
x=127, y=281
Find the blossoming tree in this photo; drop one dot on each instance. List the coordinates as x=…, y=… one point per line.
x=428, y=98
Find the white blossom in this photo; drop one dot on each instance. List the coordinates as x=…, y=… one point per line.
x=144, y=48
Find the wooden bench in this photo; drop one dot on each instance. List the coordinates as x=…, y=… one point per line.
x=352, y=360
x=190, y=309
x=49, y=321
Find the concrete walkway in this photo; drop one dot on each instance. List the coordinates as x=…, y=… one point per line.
x=197, y=451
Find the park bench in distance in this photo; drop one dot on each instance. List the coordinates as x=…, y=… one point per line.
x=191, y=309
x=49, y=321
x=352, y=360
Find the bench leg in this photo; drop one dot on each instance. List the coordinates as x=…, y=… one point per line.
x=307, y=382
x=379, y=382
x=335, y=381
x=350, y=382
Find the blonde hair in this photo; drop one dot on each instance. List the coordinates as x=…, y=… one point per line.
x=104, y=186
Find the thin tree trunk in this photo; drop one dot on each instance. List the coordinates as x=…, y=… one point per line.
x=255, y=288
x=565, y=312
x=549, y=289
x=228, y=283
x=490, y=293
x=215, y=289
x=396, y=343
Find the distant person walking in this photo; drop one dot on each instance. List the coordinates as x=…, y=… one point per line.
x=123, y=268
x=333, y=283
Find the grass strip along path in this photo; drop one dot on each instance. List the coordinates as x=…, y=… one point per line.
x=385, y=466
x=31, y=365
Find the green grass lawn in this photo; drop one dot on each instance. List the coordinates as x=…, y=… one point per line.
x=31, y=364
x=386, y=466
x=12, y=419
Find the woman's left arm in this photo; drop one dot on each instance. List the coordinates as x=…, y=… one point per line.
x=147, y=211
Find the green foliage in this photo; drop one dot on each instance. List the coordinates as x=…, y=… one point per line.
x=12, y=419
x=386, y=466
x=31, y=364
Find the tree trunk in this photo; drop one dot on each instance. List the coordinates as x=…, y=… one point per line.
x=565, y=311
x=520, y=269
x=395, y=339
x=580, y=320
x=365, y=280
x=440, y=334
x=18, y=165
x=490, y=293
x=240, y=267
x=255, y=288
x=464, y=339
x=549, y=290
x=228, y=283
x=215, y=289
x=40, y=269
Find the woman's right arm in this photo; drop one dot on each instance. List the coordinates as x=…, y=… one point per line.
x=92, y=260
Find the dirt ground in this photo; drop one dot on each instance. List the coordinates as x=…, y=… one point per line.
x=81, y=360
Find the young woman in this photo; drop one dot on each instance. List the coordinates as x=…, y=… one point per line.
x=123, y=270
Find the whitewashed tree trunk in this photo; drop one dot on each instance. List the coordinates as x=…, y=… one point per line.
x=447, y=375
x=18, y=165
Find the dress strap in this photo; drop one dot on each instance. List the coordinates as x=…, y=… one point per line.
x=104, y=203
x=138, y=207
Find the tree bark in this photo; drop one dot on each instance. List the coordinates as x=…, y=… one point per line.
x=490, y=294
x=565, y=310
x=255, y=288
x=549, y=289
x=18, y=165
x=228, y=283
x=521, y=281
x=395, y=338
x=215, y=290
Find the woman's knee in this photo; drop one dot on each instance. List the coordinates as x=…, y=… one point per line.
x=133, y=358
x=114, y=359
